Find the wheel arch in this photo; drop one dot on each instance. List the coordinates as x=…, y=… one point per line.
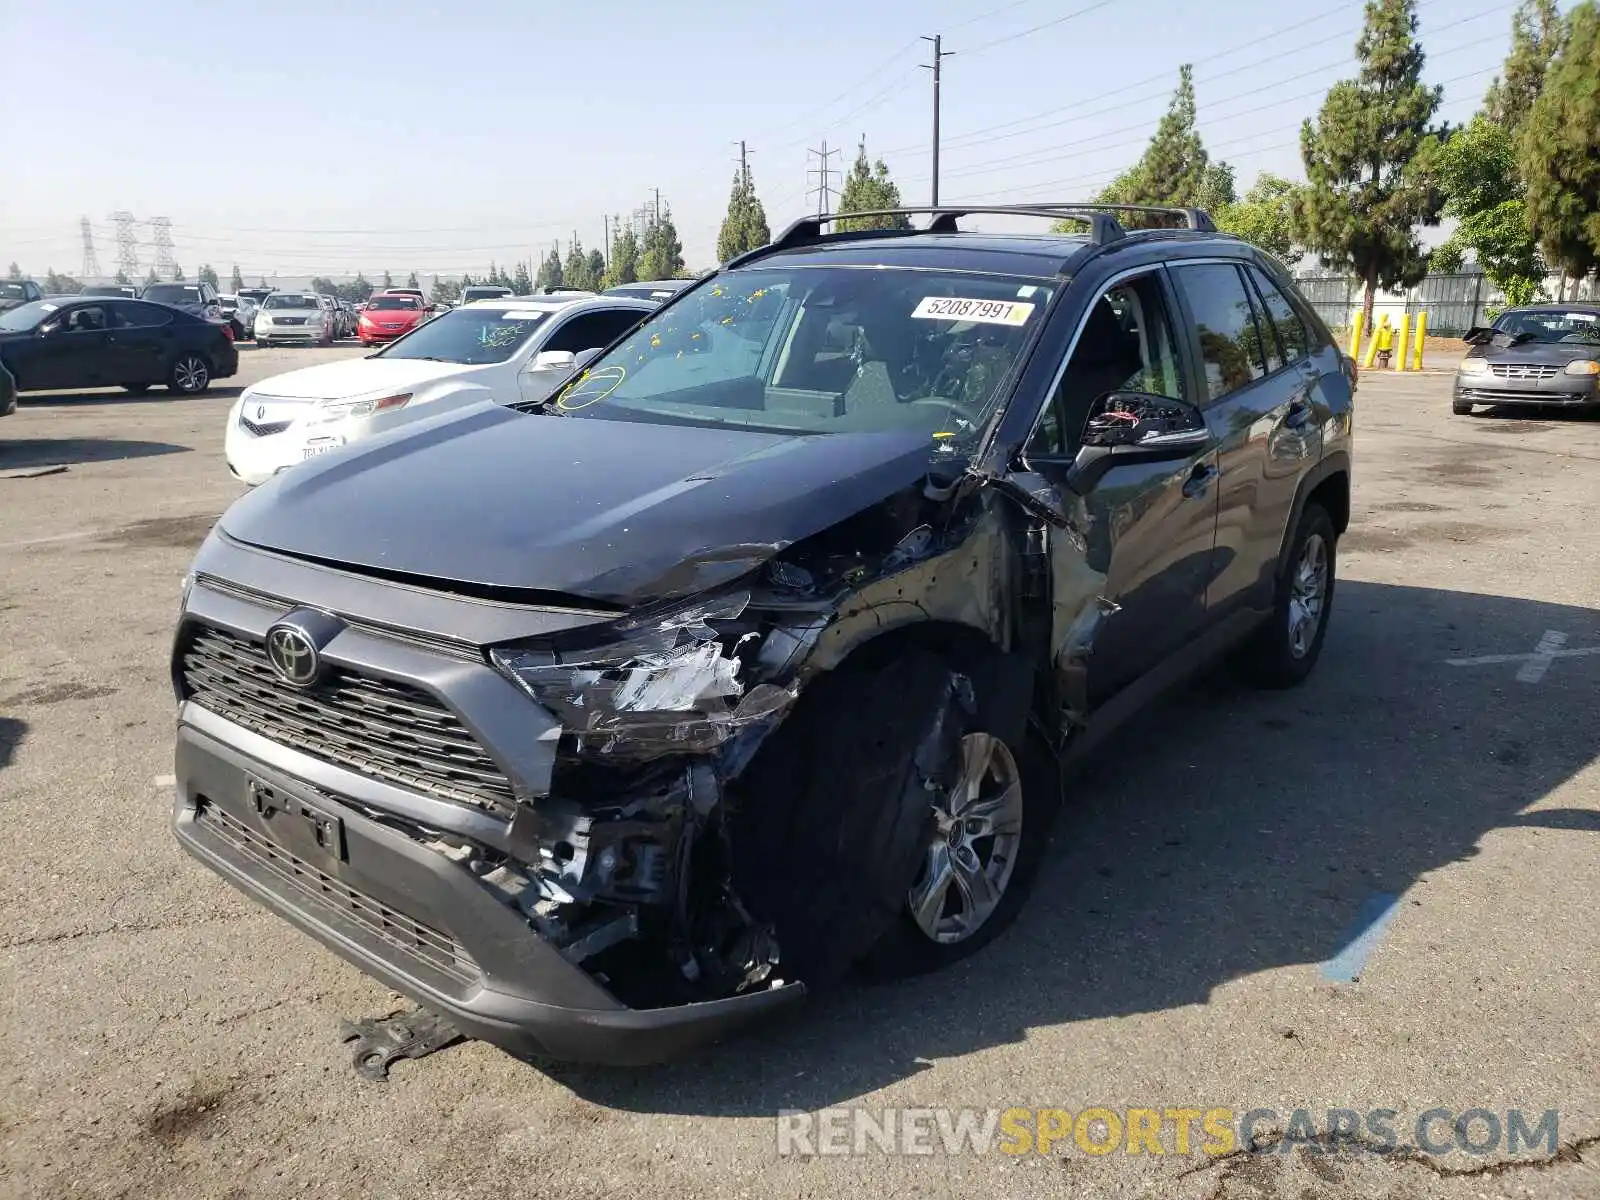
x=1327, y=484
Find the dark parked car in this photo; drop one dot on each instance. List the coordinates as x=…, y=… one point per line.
x=8, y=392
x=657, y=290
x=88, y=343
x=1545, y=354
x=608, y=721
x=201, y=299
x=14, y=293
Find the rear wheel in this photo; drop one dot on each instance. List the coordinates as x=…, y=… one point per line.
x=1285, y=649
x=191, y=374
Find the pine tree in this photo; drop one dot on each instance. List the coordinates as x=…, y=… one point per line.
x=1536, y=34
x=576, y=270
x=360, y=287
x=177, y=273
x=1559, y=150
x=745, y=225
x=624, y=259
x=208, y=274
x=236, y=280
x=121, y=277
x=521, y=284
x=597, y=269
x=550, y=273
x=151, y=278
x=1366, y=158
x=388, y=281
x=411, y=281
x=661, y=255
x=868, y=188
x=13, y=272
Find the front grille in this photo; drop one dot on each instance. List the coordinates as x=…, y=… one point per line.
x=303, y=884
x=266, y=428
x=1524, y=370
x=288, y=320
x=386, y=730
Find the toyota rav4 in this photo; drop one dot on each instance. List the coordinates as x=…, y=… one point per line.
x=753, y=656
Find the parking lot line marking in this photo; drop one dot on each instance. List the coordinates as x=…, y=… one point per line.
x=1533, y=666
x=1362, y=939
x=164, y=781
x=59, y=537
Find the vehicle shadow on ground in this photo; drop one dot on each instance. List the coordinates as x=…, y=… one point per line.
x=1225, y=833
x=11, y=731
x=27, y=453
x=154, y=396
x=1530, y=417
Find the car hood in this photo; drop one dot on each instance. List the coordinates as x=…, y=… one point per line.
x=1540, y=352
x=355, y=377
x=544, y=507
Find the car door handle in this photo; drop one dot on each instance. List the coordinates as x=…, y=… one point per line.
x=1299, y=413
x=1199, y=480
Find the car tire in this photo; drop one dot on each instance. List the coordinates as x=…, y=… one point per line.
x=1460, y=408
x=136, y=389
x=837, y=823
x=1284, y=650
x=190, y=375
x=263, y=344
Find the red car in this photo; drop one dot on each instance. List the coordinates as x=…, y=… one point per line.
x=389, y=315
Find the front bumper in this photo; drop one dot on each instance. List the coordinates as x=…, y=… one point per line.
x=292, y=333
x=1561, y=389
x=413, y=918
x=374, y=333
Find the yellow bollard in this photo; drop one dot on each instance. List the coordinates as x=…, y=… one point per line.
x=1355, y=334
x=1405, y=342
x=1381, y=336
x=1422, y=329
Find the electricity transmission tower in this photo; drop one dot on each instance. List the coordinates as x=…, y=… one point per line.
x=161, y=236
x=127, y=245
x=824, y=174
x=91, y=261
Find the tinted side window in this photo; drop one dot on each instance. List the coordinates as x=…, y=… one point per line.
x=1230, y=342
x=1291, y=329
x=1271, y=350
x=130, y=314
x=592, y=330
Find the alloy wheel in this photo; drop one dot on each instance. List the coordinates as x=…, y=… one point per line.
x=1308, y=595
x=972, y=845
x=191, y=374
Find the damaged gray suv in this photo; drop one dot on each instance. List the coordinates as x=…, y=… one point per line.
x=753, y=657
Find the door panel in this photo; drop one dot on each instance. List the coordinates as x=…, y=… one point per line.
x=143, y=336
x=73, y=355
x=1260, y=416
x=1148, y=528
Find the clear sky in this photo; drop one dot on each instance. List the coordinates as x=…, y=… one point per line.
x=305, y=138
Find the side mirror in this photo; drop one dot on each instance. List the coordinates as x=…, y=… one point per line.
x=585, y=357
x=1133, y=427
x=1478, y=335
x=554, y=360
x=49, y=327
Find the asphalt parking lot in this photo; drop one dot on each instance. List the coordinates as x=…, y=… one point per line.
x=164, y=1037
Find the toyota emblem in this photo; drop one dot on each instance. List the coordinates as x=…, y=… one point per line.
x=293, y=655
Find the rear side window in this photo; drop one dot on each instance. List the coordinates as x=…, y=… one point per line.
x=1291, y=329
x=130, y=314
x=593, y=330
x=1231, y=346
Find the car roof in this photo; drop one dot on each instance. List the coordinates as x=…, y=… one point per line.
x=557, y=303
x=1583, y=306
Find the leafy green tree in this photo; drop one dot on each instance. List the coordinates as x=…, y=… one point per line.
x=177, y=273
x=13, y=272
x=661, y=255
x=323, y=286
x=1537, y=31
x=867, y=188
x=208, y=274
x=360, y=288
x=597, y=269
x=442, y=290
x=1265, y=217
x=1559, y=150
x=60, y=284
x=550, y=272
x=521, y=282
x=236, y=280
x=1366, y=159
x=576, y=270
x=154, y=278
x=465, y=281
x=1476, y=170
x=624, y=259
x=745, y=226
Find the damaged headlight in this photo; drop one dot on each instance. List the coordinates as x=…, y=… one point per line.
x=669, y=684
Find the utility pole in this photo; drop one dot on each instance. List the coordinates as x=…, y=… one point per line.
x=824, y=174
x=605, y=235
x=744, y=163
x=939, y=55
x=127, y=245
x=658, y=206
x=91, y=261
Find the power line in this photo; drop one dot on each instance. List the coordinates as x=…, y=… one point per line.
x=127, y=252
x=161, y=233
x=91, y=261
x=1011, y=37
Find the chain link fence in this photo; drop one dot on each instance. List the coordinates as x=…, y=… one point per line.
x=1454, y=303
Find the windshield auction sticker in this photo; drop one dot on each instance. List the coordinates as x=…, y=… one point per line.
x=985, y=312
